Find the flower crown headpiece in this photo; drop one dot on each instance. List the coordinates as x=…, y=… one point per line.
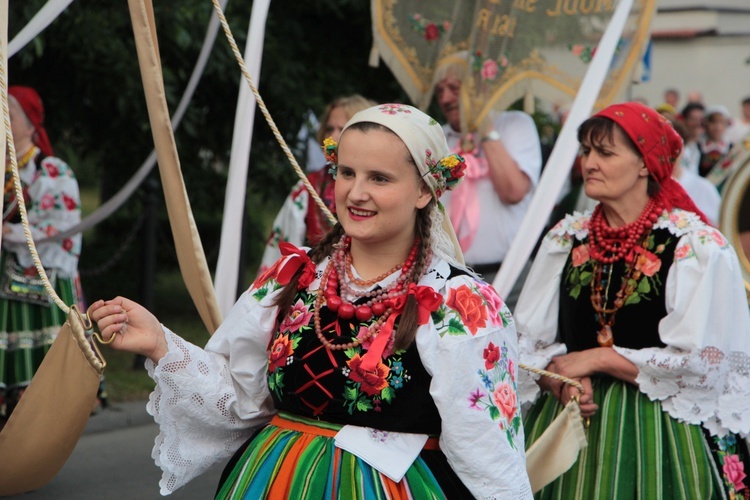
x=447, y=172
x=331, y=152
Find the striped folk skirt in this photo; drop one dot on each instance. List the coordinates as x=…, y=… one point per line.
x=636, y=450
x=294, y=457
x=27, y=331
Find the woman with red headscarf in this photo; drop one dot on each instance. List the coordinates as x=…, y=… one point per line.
x=29, y=321
x=642, y=302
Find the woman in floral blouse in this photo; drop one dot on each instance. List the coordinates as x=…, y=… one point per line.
x=300, y=221
x=29, y=321
x=386, y=369
x=643, y=303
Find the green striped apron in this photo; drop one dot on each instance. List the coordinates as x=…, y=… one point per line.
x=635, y=450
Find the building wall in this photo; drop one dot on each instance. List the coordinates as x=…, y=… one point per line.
x=700, y=45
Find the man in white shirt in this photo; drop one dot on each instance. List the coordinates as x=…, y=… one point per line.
x=740, y=127
x=502, y=172
x=692, y=117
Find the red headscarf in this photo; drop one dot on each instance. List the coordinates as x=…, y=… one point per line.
x=660, y=147
x=32, y=106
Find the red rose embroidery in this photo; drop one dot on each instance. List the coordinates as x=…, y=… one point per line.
x=67, y=244
x=69, y=202
x=648, y=263
x=371, y=383
x=431, y=32
x=47, y=202
x=469, y=306
x=52, y=170
x=298, y=317
x=491, y=356
x=280, y=351
x=505, y=399
x=718, y=238
x=580, y=255
x=735, y=471
x=266, y=275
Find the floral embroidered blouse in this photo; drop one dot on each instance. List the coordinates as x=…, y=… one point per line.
x=53, y=205
x=686, y=327
x=457, y=380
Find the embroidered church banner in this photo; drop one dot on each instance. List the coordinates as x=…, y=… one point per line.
x=503, y=50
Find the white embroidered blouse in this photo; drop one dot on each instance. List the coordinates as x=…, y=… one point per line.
x=703, y=373
x=207, y=401
x=54, y=205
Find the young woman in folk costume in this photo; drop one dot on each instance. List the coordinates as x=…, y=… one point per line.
x=29, y=321
x=385, y=368
x=642, y=302
x=300, y=221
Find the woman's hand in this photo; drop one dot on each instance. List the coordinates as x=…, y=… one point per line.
x=564, y=392
x=603, y=360
x=579, y=364
x=586, y=400
x=136, y=329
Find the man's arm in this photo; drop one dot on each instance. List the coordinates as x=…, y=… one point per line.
x=510, y=182
x=505, y=143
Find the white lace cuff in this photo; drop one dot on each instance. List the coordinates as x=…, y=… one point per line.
x=705, y=387
x=194, y=403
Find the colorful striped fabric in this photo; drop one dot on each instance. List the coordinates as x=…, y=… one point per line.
x=285, y=463
x=27, y=332
x=635, y=450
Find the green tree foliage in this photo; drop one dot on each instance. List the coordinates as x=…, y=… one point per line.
x=85, y=67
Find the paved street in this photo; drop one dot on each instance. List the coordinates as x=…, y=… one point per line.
x=116, y=463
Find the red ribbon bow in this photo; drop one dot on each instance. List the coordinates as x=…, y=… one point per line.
x=428, y=301
x=297, y=258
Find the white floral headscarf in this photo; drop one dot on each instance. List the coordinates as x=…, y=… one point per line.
x=440, y=169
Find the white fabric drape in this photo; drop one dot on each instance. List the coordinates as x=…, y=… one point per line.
x=562, y=156
x=227, y=268
x=114, y=203
x=38, y=23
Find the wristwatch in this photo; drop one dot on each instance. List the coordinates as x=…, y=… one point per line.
x=493, y=135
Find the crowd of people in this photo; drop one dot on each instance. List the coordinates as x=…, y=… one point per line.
x=372, y=358
x=376, y=360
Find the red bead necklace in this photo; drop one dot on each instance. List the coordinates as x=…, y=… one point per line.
x=606, y=316
x=378, y=303
x=609, y=245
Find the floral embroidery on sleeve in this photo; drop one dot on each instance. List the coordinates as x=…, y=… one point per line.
x=470, y=308
x=684, y=252
x=498, y=394
x=708, y=236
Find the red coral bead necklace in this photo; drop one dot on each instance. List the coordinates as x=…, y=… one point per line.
x=379, y=300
